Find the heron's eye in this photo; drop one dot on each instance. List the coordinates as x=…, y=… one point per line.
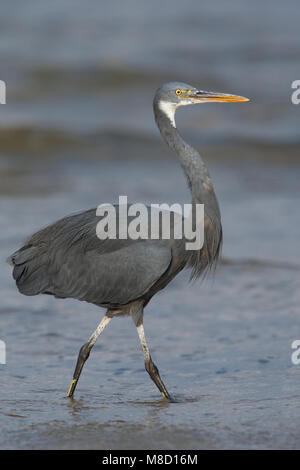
x=178, y=92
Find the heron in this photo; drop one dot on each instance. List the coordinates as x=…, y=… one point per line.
x=66, y=259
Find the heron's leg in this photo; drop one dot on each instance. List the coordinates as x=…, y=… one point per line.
x=85, y=352
x=149, y=364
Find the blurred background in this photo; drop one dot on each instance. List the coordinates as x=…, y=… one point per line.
x=77, y=131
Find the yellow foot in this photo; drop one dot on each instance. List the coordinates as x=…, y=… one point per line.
x=71, y=388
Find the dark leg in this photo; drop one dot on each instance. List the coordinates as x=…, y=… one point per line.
x=149, y=364
x=154, y=374
x=85, y=352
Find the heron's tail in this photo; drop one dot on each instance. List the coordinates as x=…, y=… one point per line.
x=29, y=270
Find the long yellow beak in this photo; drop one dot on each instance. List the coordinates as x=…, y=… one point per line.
x=211, y=96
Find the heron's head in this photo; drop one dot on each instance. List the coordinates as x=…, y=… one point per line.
x=172, y=95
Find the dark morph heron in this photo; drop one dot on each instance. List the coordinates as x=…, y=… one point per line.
x=67, y=258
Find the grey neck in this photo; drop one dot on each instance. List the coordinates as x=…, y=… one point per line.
x=194, y=167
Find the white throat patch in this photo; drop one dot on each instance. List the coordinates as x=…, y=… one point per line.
x=169, y=110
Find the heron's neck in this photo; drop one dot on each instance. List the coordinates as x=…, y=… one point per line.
x=194, y=167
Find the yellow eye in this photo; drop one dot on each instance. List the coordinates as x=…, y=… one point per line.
x=178, y=92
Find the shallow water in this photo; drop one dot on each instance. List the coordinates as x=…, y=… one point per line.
x=223, y=348
x=78, y=131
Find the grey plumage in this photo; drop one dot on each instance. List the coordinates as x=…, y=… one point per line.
x=67, y=259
